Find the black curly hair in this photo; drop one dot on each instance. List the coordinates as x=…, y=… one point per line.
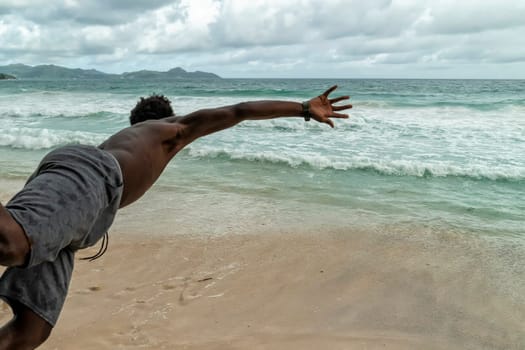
x=153, y=107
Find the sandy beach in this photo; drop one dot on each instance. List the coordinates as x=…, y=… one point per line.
x=313, y=289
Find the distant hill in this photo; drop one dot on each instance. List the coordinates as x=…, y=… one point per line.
x=52, y=72
x=22, y=71
x=175, y=73
x=6, y=76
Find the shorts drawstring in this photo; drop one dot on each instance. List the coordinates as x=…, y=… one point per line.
x=102, y=250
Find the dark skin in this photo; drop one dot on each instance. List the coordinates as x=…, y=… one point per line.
x=143, y=151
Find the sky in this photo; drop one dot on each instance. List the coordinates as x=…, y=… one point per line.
x=271, y=38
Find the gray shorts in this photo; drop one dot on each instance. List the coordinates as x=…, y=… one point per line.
x=69, y=203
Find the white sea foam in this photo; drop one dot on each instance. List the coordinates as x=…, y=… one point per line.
x=415, y=167
x=63, y=104
x=33, y=139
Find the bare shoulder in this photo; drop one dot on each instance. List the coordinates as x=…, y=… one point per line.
x=146, y=134
x=165, y=131
x=159, y=128
x=172, y=119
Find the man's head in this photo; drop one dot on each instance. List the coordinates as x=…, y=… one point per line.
x=153, y=107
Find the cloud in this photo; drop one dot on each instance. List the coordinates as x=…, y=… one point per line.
x=270, y=22
x=254, y=37
x=468, y=16
x=179, y=27
x=80, y=12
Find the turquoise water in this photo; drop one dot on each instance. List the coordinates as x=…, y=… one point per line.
x=446, y=153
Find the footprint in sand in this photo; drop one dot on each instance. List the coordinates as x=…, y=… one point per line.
x=169, y=286
x=191, y=288
x=89, y=290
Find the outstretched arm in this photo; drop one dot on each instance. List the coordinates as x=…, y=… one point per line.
x=207, y=121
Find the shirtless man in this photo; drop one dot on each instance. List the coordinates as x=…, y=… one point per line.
x=72, y=198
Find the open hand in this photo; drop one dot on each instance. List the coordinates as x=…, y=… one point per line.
x=322, y=108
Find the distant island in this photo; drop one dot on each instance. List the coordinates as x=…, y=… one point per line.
x=6, y=76
x=52, y=72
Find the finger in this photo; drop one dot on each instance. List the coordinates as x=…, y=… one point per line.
x=340, y=108
x=329, y=91
x=329, y=122
x=337, y=99
x=339, y=115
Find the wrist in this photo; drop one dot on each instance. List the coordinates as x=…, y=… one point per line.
x=306, y=110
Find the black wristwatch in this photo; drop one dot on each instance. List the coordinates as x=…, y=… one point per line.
x=306, y=111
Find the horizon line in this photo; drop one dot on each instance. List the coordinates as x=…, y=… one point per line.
x=274, y=78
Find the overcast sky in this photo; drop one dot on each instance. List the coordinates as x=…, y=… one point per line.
x=271, y=38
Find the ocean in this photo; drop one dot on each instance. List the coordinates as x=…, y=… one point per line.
x=438, y=154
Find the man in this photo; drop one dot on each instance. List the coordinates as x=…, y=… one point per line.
x=72, y=198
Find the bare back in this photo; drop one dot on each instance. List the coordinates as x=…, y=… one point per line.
x=143, y=151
